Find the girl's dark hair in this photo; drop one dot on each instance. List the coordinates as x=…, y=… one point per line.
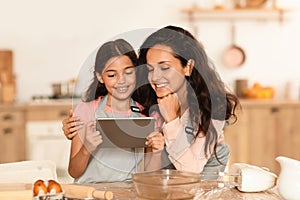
x=207, y=95
x=107, y=51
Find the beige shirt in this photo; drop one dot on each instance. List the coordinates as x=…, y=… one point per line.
x=184, y=155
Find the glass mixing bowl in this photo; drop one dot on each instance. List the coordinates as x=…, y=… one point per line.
x=166, y=184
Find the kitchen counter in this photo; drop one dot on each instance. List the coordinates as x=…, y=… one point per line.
x=73, y=102
x=264, y=102
x=126, y=191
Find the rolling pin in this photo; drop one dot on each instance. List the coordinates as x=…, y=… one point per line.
x=82, y=191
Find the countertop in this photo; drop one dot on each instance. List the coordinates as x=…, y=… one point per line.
x=73, y=102
x=126, y=191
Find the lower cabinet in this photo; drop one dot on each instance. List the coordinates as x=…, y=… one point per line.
x=12, y=134
x=265, y=130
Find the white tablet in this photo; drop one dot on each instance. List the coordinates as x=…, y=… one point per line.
x=125, y=132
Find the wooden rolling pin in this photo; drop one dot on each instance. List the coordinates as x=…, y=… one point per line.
x=82, y=191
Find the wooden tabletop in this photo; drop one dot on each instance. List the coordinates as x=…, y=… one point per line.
x=126, y=191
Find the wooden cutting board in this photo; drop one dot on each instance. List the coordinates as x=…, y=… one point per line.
x=6, y=62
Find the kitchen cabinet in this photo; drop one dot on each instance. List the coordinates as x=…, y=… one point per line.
x=12, y=133
x=17, y=122
x=265, y=129
x=48, y=111
x=44, y=137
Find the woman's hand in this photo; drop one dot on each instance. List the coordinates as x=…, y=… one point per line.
x=91, y=137
x=71, y=125
x=156, y=141
x=169, y=107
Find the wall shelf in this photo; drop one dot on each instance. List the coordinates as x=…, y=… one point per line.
x=196, y=13
x=235, y=13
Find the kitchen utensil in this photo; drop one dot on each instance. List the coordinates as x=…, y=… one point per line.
x=252, y=178
x=234, y=55
x=240, y=86
x=166, y=184
x=80, y=192
x=292, y=90
x=6, y=62
x=56, y=90
x=289, y=178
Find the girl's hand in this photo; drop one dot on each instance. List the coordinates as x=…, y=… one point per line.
x=169, y=107
x=91, y=137
x=156, y=141
x=71, y=125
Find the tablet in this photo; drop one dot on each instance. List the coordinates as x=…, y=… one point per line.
x=125, y=132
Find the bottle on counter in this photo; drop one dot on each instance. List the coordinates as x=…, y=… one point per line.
x=292, y=90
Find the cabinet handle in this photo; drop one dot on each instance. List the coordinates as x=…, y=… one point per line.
x=7, y=131
x=274, y=109
x=7, y=117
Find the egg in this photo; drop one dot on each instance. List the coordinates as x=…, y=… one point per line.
x=54, y=187
x=39, y=188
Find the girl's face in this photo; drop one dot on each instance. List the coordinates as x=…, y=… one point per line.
x=165, y=72
x=119, y=77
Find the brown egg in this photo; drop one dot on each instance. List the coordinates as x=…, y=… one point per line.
x=54, y=187
x=39, y=188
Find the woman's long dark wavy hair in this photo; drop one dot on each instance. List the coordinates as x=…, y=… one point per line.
x=107, y=51
x=208, y=97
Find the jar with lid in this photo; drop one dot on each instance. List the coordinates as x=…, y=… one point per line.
x=292, y=90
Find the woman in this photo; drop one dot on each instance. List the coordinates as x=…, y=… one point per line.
x=192, y=100
x=109, y=95
x=185, y=93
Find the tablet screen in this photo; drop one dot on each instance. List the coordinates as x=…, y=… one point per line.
x=125, y=132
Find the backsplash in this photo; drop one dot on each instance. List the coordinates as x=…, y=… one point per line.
x=55, y=50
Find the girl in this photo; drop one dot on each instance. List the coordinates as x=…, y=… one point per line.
x=109, y=95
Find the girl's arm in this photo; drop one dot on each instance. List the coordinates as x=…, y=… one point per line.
x=83, y=144
x=155, y=142
x=71, y=125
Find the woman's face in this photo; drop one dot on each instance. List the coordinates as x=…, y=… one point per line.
x=119, y=77
x=165, y=72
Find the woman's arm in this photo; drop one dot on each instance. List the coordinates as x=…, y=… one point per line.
x=183, y=154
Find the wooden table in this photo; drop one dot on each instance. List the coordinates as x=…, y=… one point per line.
x=126, y=191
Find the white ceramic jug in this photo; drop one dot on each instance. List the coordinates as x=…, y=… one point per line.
x=288, y=183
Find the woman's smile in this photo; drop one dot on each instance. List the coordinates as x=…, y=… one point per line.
x=165, y=72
